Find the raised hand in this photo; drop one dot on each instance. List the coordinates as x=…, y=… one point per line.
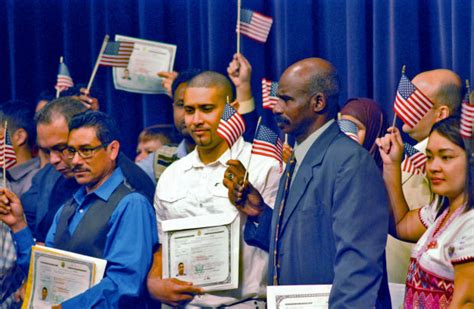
x=11, y=210
x=168, y=79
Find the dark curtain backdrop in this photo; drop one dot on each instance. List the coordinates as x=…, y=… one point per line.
x=368, y=41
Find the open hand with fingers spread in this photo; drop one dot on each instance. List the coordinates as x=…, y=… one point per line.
x=241, y=192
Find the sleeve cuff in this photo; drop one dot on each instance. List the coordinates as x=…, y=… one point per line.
x=23, y=239
x=247, y=106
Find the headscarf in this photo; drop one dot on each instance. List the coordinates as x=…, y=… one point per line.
x=370, y=114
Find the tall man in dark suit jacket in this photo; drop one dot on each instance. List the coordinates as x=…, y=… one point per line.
x=330, y=221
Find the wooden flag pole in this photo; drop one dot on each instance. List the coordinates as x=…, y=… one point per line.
x=394, y=122
x=238, y=26
x=3, y=154
x=246, y=176
x=61, y=60
x=102, y=49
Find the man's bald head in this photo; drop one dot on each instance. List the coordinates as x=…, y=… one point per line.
x=317, y=75
x=442, y=86
x=211, y=79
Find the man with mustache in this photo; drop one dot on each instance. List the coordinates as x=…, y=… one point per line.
x=54, y=183
x=330, y=220
x=105, y=218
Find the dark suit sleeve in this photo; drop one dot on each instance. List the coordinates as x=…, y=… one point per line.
x=136, y=177
x=251, y=120
x=360, y=225
x=257, y=231
x=30, y=198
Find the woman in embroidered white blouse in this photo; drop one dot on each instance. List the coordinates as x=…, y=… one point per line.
x=441, y=272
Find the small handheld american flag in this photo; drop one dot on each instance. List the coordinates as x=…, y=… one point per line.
x=269, y=93
x=117, y=54
x=411, y=105
x=267, y=143
x=7, y=153
x=349, y=128
x=231, y=126
x=64, y=80
x=467, y=116
x=255, y=25
x=415, y=160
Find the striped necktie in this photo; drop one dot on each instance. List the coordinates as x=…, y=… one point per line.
x=289, y=176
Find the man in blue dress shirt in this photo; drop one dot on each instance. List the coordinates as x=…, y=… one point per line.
x=104, y=219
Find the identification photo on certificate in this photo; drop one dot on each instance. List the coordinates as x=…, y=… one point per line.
x=203, y=250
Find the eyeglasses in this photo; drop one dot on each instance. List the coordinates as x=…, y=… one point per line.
x=84, y=153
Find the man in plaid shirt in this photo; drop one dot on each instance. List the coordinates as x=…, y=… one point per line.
x=11, y=277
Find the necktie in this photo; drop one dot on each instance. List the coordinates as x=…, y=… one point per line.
x=289, y=176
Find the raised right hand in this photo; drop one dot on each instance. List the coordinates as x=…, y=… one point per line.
x=391, y=147
x=172, y=291
x=11, y=210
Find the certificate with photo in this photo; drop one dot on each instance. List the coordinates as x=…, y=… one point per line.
x=298, y=296
x=56, y=276
x=147, y=59
x=203, y=250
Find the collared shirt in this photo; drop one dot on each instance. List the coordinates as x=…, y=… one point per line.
x=21, y=175
x=302, y=149
x=189, y=188
x=128, y=248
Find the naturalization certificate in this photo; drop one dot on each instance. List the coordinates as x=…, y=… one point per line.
x=148, y=58
x=56, y=276
x=203, y=250
x=298, y=296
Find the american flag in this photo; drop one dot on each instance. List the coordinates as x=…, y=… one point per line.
x=255, y=25
x=7, y=153
x=269, y=90
x=467, y=117
x=410, y=104
x=64, y=78
x=231, y=126
x=415, y=160
x=267, y=143
x=349, y=128
x=117, y=54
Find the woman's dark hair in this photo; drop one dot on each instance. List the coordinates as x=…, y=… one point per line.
x=449, y=128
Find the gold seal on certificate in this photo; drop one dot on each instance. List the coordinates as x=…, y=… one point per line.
x=56, y=276
x=203, y=250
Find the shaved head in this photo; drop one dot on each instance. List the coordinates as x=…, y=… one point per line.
x=211, y=79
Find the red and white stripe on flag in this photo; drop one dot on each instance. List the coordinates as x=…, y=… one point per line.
x=7, y=154
x=255, y=25
x=411, y=105
x=117, y=54
x=269, y=90
x=231, y=125
x=467, y=119
x=64, y=82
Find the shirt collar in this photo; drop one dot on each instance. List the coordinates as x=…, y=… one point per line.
x=302, y=149
x=195, y=162
x=421, y=146
x=21, y=170
x=182, y=151
x=104, y=191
